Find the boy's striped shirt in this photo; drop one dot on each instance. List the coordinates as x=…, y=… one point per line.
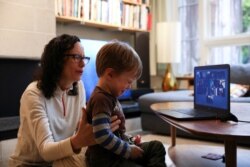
x=105, y=137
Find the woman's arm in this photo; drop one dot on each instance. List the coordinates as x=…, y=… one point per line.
x=34, y=111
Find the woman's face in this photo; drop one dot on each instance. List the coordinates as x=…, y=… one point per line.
x=73, y=68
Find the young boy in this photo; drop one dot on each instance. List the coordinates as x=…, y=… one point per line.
x=117, y=66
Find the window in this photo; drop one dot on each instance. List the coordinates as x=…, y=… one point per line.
x=230, y=55
x=229, y=19
x=214, y=32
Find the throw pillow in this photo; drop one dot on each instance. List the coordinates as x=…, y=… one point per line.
x=237, y=90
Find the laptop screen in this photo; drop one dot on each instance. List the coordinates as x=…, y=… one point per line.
x=212, y=86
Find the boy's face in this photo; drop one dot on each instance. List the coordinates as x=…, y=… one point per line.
x=121, y=82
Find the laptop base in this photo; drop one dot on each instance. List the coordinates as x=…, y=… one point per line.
x=187, y=114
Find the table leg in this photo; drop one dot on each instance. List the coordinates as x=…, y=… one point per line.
x=230, y=153
x=173, y=135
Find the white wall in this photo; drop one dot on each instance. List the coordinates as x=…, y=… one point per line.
x=85, y=32
x=25, y=27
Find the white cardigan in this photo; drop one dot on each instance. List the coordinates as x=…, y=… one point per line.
x=46, y=126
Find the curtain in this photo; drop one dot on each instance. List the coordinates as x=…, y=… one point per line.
x=188, y=15
x=163, y=11
x=158, y=9
x=225, y=20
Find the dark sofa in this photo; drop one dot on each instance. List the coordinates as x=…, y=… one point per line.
x=239, y=74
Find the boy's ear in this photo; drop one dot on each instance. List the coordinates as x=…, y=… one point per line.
x=109, y=72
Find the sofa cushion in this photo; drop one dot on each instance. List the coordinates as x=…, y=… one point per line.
x=240, y=74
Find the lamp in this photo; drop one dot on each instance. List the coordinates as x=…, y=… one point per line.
x=169, y=50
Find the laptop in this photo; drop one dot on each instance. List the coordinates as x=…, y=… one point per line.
x=211, y=95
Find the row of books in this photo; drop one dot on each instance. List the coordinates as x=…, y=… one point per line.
x=135, y=16
x=113, y=12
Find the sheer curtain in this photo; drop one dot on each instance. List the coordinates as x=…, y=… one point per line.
x=188, y=16
x=225, y=17
x=159, y=9
x=225, y=20
x=163, y=11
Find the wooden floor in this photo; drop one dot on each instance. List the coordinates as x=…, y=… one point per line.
x=189, y=150
x=191, y=155
x=7, y=147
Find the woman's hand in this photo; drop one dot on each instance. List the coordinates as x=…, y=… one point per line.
x=84, y=135
x=115, y=122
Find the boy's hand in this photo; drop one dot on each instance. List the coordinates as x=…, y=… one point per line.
x=136, y=152
x=137, y=140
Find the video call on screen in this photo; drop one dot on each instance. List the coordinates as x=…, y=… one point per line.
x=211, y=88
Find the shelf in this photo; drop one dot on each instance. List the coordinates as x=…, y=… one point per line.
x=133, y=29
x=134, y=3
x=89, y=23
x=133, y=17
x=67, y=19
x=130, y=2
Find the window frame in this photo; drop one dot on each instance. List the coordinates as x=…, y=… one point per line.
x=207, y=42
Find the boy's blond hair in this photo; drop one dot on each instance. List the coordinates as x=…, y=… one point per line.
x=119, y=56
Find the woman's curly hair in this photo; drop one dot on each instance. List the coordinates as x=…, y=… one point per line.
x=52, y=62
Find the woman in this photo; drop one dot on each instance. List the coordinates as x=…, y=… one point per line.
x=52, y=108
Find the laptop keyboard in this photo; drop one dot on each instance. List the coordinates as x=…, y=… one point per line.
x=192, y=112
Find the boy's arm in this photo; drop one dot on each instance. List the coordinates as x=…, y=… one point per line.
x=105, y=137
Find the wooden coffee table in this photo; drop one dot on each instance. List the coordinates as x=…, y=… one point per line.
x=229, y=132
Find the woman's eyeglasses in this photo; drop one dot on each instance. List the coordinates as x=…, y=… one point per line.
x=78, y=58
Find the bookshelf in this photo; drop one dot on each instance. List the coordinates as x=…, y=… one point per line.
x=118, y=15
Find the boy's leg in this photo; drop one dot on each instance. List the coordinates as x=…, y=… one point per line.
x=109, y=160
x=126, y=163
x=154, y=154
x=114, y=163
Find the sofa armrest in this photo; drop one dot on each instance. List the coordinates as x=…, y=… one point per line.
x=136, y=93
x=240, y=74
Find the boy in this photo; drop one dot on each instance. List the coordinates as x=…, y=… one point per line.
x=117, y=66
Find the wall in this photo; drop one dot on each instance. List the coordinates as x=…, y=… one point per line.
x=25, y=27
x=94, y=33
